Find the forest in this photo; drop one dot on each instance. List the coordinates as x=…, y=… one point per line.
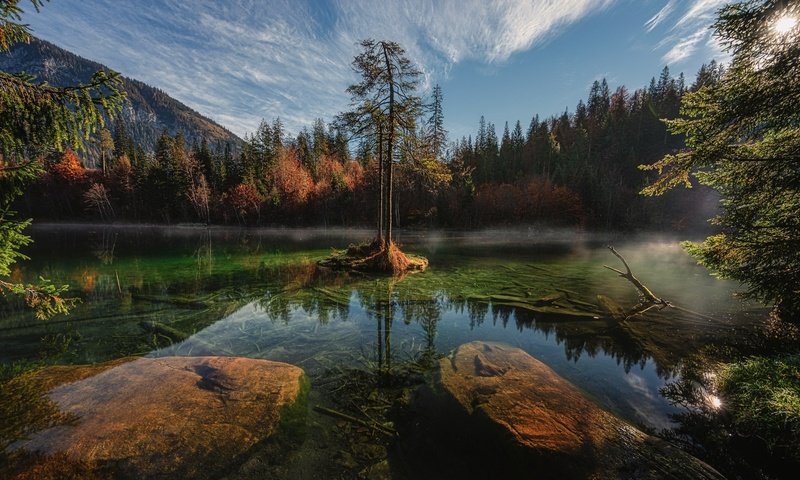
x=575, y=169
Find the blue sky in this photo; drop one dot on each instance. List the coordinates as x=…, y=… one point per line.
x=238, y=61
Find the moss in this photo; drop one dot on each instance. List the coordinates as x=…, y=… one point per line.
x=294, y=417
x=763, y=396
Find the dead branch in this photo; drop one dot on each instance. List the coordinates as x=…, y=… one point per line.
x=357, y=421
x=628, y=275
x=648, y=298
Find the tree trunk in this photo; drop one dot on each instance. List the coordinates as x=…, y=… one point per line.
x=381, y=181
x=389, y=148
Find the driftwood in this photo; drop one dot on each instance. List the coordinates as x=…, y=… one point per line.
x=357, y=421
x=647, y=299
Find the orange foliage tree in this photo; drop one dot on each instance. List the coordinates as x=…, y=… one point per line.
x=292, y=179
x=245, y=201
x=68, y=169
x=65, y=183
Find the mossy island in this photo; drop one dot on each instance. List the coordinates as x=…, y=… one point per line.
x=376, y=256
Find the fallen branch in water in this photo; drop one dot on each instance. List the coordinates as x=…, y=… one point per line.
x=648, y=300
x=343, y=416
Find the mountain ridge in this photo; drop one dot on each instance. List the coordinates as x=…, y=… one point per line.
x=146, y=113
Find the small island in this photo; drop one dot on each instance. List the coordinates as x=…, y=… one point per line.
x=376, y=257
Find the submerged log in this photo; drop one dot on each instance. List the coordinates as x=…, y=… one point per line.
x=164, y=330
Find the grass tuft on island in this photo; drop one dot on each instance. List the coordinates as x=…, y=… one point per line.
x=375, y=257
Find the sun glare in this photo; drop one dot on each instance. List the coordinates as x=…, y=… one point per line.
x=784, y=24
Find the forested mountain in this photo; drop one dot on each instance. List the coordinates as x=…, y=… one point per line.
x=147, y=112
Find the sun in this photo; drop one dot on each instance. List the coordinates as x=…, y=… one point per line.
x=784, y=24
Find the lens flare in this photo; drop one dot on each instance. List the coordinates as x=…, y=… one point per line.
x=784, y=24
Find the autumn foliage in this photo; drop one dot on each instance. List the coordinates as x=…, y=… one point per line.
x=341, y=191
x=537, y=200
x=245, y=203
x=68, y=169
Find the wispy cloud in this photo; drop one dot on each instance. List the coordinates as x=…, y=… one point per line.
x=690, y=32
x=242, y=60
x=659, y=17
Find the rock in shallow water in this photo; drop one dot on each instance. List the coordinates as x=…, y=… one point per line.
x=171, y=417
x=558, y=432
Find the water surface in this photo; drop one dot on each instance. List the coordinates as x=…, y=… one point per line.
x=193, y=291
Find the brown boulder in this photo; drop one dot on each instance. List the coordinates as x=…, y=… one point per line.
x=172, y=417
x=556, y=428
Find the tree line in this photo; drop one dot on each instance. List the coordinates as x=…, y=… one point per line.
x=576, y=168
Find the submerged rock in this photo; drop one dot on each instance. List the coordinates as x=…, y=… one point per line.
x=171, y=417
x=551, y=426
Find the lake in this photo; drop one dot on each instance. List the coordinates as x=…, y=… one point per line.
x=192, y=291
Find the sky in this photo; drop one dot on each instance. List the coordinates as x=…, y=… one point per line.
x=239, y=61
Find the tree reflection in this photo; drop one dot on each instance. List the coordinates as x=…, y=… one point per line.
x=281, y=288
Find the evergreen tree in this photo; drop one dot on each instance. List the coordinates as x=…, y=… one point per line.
x=388, y=81
x=517, y=146
x=319, y=144
x=506, y=155
x=743, y=138
x=122, y=143
x=436, y=133
x=36, y=118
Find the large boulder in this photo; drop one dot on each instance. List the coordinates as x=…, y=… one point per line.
x=171, y=417
x=555, y=430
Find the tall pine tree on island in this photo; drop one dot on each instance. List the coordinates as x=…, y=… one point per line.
x=35, y=119
x=742, y=133
x=385, y=100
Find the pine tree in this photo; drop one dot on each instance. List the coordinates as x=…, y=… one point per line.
x=506, y=156
x=743, y=138
x=436, y=133
x=36, y=118
x=388, y=82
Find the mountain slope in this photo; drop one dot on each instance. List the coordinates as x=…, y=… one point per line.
x=147, y=112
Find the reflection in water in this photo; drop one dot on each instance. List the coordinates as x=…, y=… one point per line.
x=262, y=295
x=103, y=245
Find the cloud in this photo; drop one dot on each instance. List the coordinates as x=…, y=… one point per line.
x=690, y=32
x=242, y=60
x=685, y=47
x=659, y=17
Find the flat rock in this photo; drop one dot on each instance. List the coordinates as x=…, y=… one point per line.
x=171, y=417
x=560, y=432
